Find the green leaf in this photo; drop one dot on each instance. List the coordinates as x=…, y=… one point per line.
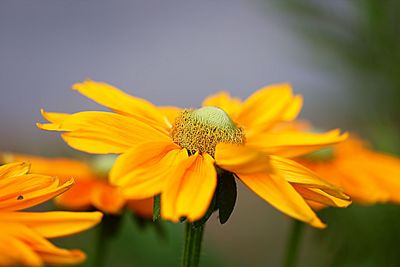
x=156, y=207
x=226, y=195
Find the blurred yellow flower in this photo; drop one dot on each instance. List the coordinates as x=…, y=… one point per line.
x=175, y=152
x=91, y=188
x=367, y=176
x=23, y=236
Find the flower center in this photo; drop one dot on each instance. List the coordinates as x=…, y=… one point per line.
x=202, y=129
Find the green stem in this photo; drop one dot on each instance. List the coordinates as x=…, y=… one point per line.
x=107, y=229
x=192, y=248
x=101, y=247
x=293, y=245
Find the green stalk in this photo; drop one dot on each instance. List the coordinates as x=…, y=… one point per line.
x=107, y=229
x=192, y=247
x=293, y=245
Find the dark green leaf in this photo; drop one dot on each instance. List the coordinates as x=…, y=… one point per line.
x=226, y=195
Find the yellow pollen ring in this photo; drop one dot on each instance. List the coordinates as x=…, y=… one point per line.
x=202, y=129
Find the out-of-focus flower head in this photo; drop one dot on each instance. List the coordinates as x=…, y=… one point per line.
x=367, y=176
x=23, y=238
x=91, y=187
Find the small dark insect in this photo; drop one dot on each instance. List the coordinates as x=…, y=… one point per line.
x=20, y=197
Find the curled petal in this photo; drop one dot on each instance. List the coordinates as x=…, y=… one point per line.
x=296, y=173
x=280, y=194
x=29, y=190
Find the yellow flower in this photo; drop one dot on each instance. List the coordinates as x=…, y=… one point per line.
x=23, y=236
x=175, y=152
x=91, y=188
x=367, y=176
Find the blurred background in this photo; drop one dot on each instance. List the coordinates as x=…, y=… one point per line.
x=342, y=55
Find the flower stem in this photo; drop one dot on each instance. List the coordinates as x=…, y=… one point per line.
x=108, y=228
x=192, y=248
x=293, y=245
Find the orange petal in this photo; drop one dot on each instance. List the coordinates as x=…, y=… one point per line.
x=266, y=107
x=79, y=197
x=29, y=190
x=63, y=168
x=105, y=132
x=55, y=223
x=224, y=101
x=141, y=171
x=292, y=144
x=113, y=98
x=141, y=207
x=241, y=159
x=190, y=187
x=107, y=198
x=280, y=194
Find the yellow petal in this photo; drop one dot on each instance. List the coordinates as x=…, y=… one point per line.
x=241, y=159
x=189, y=189
x=12, y=170
x=280, y=194
x=105, y=132
x=141, y=171
x=294, y=109
x=265, y=107
x=171, y=113
x=113, y=98
x=14, y=252
x=54, y=117
x=58, y=256
x=55, y=223
x=29, y=190
x=224, y=101
x=31, y=249
x=292, y=144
